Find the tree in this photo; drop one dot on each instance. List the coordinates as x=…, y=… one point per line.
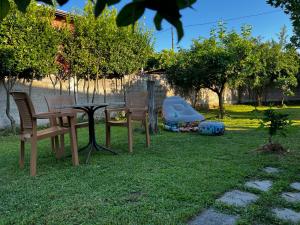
x=182, y=76
x=219, y=60
x=291, y=7
x=272, y=64
x=27, y=47
x=277, y=123
x=98, y=48
x=288, y=67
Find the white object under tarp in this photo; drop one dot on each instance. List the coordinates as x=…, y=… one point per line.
x=176, y=109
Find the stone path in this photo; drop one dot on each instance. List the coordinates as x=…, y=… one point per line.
x=242, y=199
x=287, y=215
x=295, y=186
x=238, y=198
x=271, y=170
x=262, y=185
x=293, y=197
x=212, y=217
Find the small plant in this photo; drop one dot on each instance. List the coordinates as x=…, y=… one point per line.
x=277, y=123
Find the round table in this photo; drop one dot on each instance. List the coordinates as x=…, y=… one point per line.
x=90, y=109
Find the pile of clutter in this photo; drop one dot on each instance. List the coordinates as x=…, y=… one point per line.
x=182, y=126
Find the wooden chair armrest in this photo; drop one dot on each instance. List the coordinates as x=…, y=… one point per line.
x=78, y=110
x=66, y=114
x=116, y=110
x=138, y=109
x=45, y=115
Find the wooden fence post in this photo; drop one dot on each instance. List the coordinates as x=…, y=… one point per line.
x=153, y=116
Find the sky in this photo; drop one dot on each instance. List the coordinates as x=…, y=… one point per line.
x=265, y=20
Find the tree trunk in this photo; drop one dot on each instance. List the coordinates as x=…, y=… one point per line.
x=95, y=88
x=259, y=100
x=221, y=103
x=104, y=89
x=54, y=82
x=60, y=87
x=75, y=88
x=88, y=90
x=30, y=87
x=84, y=85
x=240, y=95
x=259, y=97
x=195, y=100
x=8, y=85
x=282, y=100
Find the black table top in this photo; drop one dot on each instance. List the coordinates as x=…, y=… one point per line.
x=82, y=105
x=86, y=105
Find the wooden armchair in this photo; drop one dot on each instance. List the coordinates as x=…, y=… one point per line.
x=54, y=104
x=29, y=132
x=136, y=109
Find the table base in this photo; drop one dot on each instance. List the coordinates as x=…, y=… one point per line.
x=93, y=146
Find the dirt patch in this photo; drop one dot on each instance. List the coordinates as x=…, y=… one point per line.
x=273, y=148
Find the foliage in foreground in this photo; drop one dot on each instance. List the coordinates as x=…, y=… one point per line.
x=168, y=10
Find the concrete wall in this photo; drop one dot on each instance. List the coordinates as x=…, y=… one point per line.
x=114, y=93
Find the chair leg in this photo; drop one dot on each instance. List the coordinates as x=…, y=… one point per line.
x=53, y=144
x=73, y=140
x=76, y=133
x=107, y=127
x=61, y=150
x=147, y=132
x=129, y=126
x=22, y=154
x=33, y=156
x=56, y=143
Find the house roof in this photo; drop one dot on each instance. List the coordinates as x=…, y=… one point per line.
x=61, y=13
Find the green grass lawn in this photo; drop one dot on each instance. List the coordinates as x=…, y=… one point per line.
x=177, y=177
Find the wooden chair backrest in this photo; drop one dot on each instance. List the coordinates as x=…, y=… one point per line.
x=137, y=100
x=55, y=104
x=26, y=109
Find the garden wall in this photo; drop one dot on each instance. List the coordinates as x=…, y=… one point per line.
x=114, y=93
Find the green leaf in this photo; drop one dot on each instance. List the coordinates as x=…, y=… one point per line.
x=62, y=2
x=22, y=4
x=157, y=21
x=49, y=2
x=179, y=28
x=185, y=3
x=4, y=9
x=130, y=13
x=112, y=2
x=99, y=7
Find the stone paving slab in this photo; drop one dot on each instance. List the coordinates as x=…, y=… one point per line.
x=271, y=170
x=262, y=185
x=287, y=215
x=212, y=217
x=293, y=197
x=295, y=185
x=238, y=198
